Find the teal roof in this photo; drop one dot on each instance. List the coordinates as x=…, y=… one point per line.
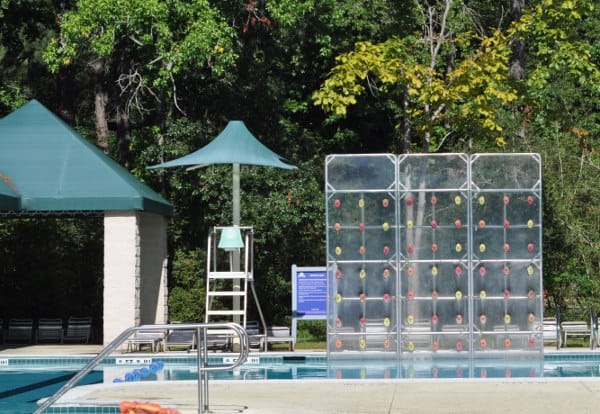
x=234, y=145
x=50, y=167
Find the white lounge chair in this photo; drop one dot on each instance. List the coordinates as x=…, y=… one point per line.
x=256, y=339
x=551, y=332
x=154, y=339
x=280, y=334
x=575, y=328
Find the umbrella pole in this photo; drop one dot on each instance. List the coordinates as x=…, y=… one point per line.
x=235, y=259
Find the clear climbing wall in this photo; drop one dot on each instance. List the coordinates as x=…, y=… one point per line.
x=362, y=252
x=506, y=192
x=434, y=254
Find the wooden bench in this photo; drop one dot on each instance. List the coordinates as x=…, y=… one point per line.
x=575, y=328
x=280, y=334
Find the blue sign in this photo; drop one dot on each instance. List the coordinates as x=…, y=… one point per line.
x=309, y=292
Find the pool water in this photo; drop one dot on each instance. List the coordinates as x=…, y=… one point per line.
x=20, y=390
x=22, y=386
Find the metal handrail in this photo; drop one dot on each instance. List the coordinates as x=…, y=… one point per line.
x=203, y=367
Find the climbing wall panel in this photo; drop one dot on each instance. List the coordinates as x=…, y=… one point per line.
x=433, y=253
x=362, y=249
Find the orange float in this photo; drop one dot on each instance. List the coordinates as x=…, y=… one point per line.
x=135, y=407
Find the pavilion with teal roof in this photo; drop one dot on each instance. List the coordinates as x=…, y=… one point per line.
x=47, y=168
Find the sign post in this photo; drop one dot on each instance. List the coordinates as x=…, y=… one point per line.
x=309, y=294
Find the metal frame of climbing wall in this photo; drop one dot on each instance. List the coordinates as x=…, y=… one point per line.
x=436, y=254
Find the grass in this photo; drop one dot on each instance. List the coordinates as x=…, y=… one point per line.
x=311, y=345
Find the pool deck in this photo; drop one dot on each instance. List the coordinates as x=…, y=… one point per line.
x=404, y=396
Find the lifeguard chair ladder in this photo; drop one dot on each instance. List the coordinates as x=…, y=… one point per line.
x=228, y=288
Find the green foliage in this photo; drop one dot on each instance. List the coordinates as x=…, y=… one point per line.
x=312, y=330
x=286, y=209
x=261, y=61
x=186, y=299
x=469, y=94
x=148, y=45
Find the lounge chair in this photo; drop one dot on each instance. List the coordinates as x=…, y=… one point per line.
x=152, y=338
x=78, y=329
x=255, y=338
x=551, y=332
x=575, y=328
x=19, y=331
x=280, y=334
x=181, y=339
x=419, y=334
x=377, y=334
x=50, y=330
x=219, y=339
x=512, y=332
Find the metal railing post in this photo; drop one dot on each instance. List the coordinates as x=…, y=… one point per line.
x=203, y=367
x=558, y=339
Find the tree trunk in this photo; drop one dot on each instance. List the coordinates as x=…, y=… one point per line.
x=100, y=102
x=123, y=138
x=406, y=126
x=517, y=63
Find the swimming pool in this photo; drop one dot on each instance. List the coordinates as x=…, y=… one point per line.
x=23, y=381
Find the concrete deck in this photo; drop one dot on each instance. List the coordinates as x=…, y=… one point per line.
x=406, y=396
x=414, y=396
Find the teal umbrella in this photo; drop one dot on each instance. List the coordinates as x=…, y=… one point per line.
x=234, y=145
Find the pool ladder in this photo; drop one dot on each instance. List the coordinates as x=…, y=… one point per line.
x=202, y=330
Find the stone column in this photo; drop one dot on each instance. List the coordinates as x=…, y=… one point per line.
x=153, y=294
x=122, y=257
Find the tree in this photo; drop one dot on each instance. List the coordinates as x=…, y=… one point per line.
x=136, y=51
x=430, y=94
x=24, y=28
x=561, y=101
